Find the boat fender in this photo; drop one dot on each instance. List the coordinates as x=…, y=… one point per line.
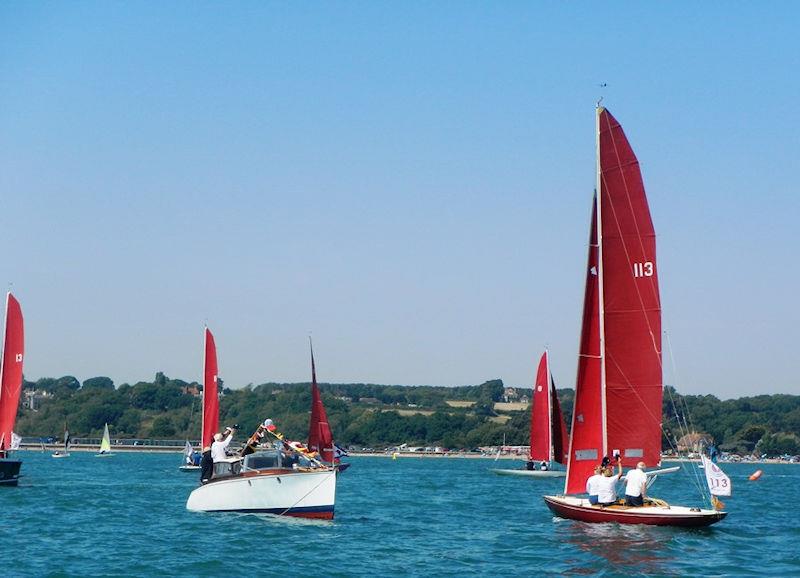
x=279, y=480
x=755, y=475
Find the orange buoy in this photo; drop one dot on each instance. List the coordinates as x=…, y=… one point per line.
x=755, y=475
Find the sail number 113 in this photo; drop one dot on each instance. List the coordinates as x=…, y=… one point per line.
x=643, y=269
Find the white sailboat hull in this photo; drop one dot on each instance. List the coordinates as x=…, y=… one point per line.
x=287, y=493
x=532, y=473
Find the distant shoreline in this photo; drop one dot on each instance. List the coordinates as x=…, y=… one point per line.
x=430, y=455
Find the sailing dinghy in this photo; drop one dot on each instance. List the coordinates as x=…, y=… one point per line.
x=10, y=389
x=65, y=453
x=105, y=445
x=261, y=478
x=548, y=430
x=619, y=386
x=188, y=459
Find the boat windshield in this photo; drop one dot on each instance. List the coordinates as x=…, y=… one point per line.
x=271, y=459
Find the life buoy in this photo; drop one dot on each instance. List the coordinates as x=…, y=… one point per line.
x=755, y=475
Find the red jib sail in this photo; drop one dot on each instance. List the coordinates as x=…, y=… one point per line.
x=11, y=370
x=619, y=387
x=548, y=430
x=320, y=437
x=210, y=393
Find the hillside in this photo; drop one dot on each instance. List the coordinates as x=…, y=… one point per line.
x=376, y=415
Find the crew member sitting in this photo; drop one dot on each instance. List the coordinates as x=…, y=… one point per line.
x=543, y=466
x=635, y=486
x=606, y=485
x=591, y=485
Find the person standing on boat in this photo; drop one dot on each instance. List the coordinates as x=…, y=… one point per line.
x=635, y=486
x=206, y=465
x=219, y=446
x=592, y=486
x=607, y=485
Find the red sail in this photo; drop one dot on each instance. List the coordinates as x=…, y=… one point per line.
x=11, y=370
x=210, y=393
x=631, y=305
x=320, y=437
x=559, y=432
x=541, y=413
x=586, y=434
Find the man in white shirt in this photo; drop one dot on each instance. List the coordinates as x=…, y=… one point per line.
x=636, y=486
x=591, y=485
x=219, y=446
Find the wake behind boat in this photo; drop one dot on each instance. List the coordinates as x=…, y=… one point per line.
x=548, y=438
x=618, y=394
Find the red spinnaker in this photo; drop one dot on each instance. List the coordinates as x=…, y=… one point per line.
x=632, y=307
x=11, y=370
x=320, y=437
x=586, y=434
x=541, y=414
x=210, y=393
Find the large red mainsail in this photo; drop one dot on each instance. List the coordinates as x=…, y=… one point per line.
x=210, y=393
x=619, y=386
x=11, y=370
x=632, y=307
x=320, y=437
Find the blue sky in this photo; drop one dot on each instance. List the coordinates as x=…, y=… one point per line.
x=409, y=182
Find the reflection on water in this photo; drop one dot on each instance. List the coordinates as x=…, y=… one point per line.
x=617, y=547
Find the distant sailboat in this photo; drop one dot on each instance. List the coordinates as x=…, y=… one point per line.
x=618, y=393
x=67, y=439
x=188, y=464
x=10, y=390
x=548, y=438
x=105, y=444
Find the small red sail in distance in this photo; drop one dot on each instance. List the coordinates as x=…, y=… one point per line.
x=210, y=391
x=541, y=414
x=548, y=430
x=619, y=385
x=11, y=369
x=320, y=437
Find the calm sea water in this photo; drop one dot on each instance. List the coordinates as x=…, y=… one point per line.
x=125, y=515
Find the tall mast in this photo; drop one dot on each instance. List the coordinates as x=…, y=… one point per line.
x=599, y=186
x=549, y=402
